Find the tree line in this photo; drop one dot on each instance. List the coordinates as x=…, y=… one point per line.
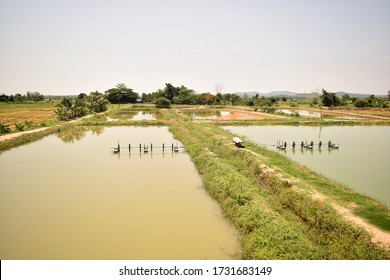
x=19, y=98
x=84, y=104
x=171, y=94
x=330, y=99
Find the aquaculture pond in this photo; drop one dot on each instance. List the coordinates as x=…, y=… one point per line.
x=304, y=113
x=131, y=116
x=206, y=115
x=361, y=162
x=314, y=114
x=69, y=196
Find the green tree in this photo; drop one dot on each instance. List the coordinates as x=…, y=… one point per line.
x=34, y=96
x=170, y=91
x=345, y=99
x=121, y=94
x=234, y=99
x=69, y=109
x=361, y=103
x=147, y=97
x=4, y=98
x=329, y=99
x=82, y=95
x=19, y=98
x=184, y=96
x=96, y=102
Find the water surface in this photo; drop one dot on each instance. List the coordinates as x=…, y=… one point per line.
x=362, y=161
x=68, y=196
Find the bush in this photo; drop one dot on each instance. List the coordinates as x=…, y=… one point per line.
x=4, y=128
x=163, y=103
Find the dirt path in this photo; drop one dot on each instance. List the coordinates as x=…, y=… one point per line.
x=17, y=134
x=378, y=236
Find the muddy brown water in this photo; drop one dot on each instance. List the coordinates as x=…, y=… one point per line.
x=361, y=162
x=68, y=196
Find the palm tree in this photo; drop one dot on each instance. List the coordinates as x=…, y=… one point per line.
x=96, y=102
x=64, y=109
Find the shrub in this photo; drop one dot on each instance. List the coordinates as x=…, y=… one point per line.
x=4, y=128
x=163, y=103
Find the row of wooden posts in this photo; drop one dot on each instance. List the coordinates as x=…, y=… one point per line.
x=283, y=145
x=145, y=147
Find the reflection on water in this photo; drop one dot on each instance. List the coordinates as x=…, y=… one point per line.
x=76, y=133
x=78, y=200
x=143, y=116
x=304, y=113
x=130, y=115
x=311, y=114
x=361, y=162
x=201, y=115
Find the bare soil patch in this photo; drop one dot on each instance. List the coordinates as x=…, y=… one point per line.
x=246, y=115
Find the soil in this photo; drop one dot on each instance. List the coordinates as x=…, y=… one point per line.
x=246, y=115
x=17, y=134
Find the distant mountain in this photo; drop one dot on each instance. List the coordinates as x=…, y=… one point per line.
x=357, y=95
x=272, y=93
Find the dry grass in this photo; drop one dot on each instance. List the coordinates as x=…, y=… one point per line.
x=33, y=112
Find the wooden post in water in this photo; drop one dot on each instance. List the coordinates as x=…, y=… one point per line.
x=172, y=146
x=140, y=147
x=151, y=146
x=129, y=147
x=163, y=147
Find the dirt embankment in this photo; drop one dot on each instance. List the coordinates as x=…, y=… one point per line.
x=17, y=134
x=10, y=136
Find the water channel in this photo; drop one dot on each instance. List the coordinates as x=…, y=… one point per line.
x=361, y=162
x=68, y=196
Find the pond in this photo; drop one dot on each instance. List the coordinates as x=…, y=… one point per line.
x=135, y=116
x=68, y=196
x=304, y=113
x=313, y=114
x=361, y=162
x=143, y=116
x=206, y=115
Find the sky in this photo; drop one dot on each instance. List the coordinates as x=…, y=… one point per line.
x=59, y=47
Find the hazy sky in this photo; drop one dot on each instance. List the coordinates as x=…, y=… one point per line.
x=73, y=46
